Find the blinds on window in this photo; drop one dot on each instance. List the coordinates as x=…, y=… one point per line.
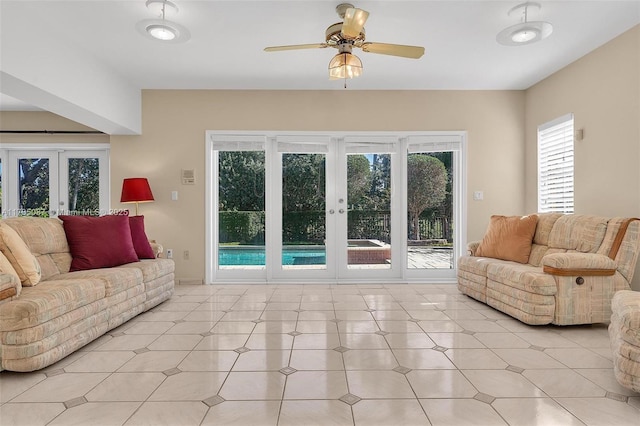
x=555, y=165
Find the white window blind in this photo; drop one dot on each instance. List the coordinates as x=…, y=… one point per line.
x=555, y=165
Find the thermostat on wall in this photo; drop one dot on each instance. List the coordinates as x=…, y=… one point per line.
x=188, y=177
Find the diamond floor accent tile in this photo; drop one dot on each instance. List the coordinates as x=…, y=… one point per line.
x=469, y=332
x=483, y=397
x=402, y=370
x=413, y=320
x=258, y=321
x=350, y=399
x=370, y=310
x=341, y=349
x=298, y=310
x=178, y=321
x=214, y=400
x=381, y=333
x=439, y=348
x=141, y=350
x=336, y=320
x=287, y=370
x=75, y=402
x=515, y=369
x=208, y=333
x=617, y=397
x=537, y=348
x=294, y=333
x=117, y=334
x=172, y=372
x=242, y=350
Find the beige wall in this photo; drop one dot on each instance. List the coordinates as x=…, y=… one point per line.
x=602, y=90
x=173, y=138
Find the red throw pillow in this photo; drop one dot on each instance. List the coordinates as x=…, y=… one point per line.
x=139, y=237
x=98, y=242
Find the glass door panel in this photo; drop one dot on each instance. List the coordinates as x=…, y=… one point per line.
x=430, y=212
x=241, y=210
x=368, y=211
x=84, y=184
x=304, y=227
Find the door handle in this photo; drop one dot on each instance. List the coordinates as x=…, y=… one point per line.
x=332, y=211
x=341, y=211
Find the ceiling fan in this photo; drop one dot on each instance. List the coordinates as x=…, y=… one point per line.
x=346, y=35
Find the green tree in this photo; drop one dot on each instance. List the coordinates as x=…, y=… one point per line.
x=84, y=185
x=359, y=182
x=241, y=180
x=34, y=185
x=426, y=188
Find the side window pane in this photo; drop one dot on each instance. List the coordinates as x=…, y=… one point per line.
x=241, y=209
x=430, y=210
x=84, y=186
x=33, y=187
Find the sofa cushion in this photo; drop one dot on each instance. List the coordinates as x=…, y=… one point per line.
x=115, y=280
x=544, y=227
x=139, y=237
x=509, y=238
x=21, y=258
x=6, y=267
x=581, y=233
x=152, y=269
x=46, y=240
x=37, y=305
x=523, y=277
x=99, y=242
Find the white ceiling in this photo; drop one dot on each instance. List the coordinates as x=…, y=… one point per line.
x=227, y=38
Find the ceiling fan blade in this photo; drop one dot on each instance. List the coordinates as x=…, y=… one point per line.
x=413, y=52
x=295, y=47
x=353, y=23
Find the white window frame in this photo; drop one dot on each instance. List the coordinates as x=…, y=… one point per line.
x=58, y=153
x=556, y=165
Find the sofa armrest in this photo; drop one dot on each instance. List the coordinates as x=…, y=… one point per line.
x=472, y=247
x=10, y=286
x=157, y=248
x=626, y=306
x=574, y=264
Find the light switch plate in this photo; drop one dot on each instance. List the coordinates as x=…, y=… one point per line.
x=478, y=195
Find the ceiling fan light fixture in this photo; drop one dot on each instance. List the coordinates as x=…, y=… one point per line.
x=345, y=65
x=526, y=32
x=161, y=6
x=162, y=32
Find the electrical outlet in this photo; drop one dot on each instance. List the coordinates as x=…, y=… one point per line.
x=169, y=253
x=185, y=255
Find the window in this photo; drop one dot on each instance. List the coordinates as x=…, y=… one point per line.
x=555, y=165
x=39, y=181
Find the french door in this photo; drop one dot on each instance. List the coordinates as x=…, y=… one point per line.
x=46, y=183
x=325, y=208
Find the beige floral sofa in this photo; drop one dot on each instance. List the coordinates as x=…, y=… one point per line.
x=41, y=324
x=624, y=332
x=575, y=266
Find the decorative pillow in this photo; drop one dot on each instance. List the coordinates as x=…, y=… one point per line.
x=6, y=267
x=98, y=242
x=19, y=256
x=509, y=238
x=139, y=237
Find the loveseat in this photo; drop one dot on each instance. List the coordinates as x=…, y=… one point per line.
x=48, y=311
x=575, y=264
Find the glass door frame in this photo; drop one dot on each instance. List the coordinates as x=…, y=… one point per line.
x=337, y=271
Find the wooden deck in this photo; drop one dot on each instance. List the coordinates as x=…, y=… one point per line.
x=430, y=258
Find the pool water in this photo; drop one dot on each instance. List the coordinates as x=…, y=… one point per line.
x=239, y=256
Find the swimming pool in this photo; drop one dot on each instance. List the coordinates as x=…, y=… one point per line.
x=255, y=256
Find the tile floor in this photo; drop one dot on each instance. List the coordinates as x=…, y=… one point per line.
x=327, y=355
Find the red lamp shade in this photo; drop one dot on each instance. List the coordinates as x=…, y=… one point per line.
x=136, y=190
